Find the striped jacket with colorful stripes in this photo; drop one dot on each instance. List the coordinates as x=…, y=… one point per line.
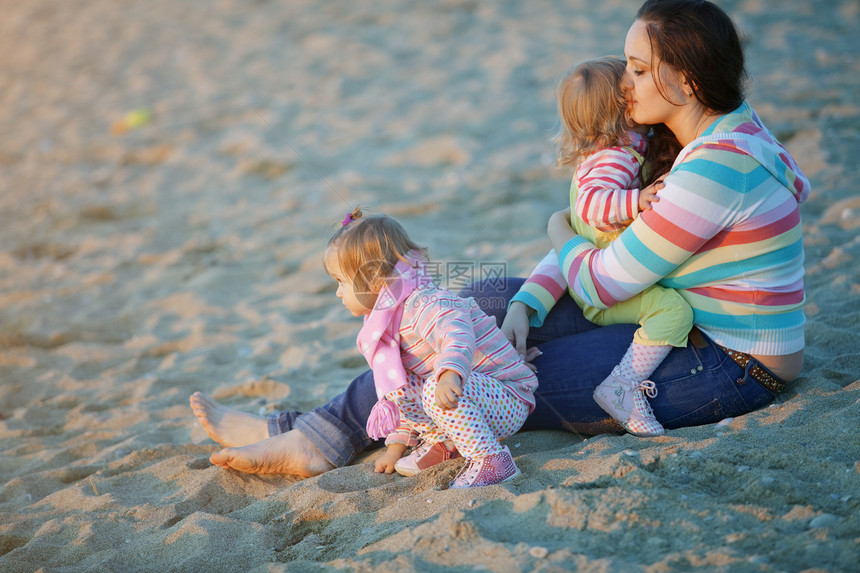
x=726, y=234
x=442, y=331
x=605, y=187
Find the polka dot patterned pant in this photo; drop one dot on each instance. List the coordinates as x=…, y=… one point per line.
x=485, y=414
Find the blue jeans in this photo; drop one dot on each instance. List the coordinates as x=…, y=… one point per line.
x=696, y=385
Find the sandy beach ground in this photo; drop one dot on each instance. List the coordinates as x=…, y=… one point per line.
x=169, y=173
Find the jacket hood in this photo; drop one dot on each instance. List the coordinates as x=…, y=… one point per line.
x=744, y=131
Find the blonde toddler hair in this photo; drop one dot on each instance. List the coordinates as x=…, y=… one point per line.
x=593, y=110
x=368, y=247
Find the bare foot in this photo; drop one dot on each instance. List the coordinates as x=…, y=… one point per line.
x=225, y=425
x=288, y=453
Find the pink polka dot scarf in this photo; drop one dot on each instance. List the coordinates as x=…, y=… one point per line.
x=379, y=341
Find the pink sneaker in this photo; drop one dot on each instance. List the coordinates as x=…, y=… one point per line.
x=424, y=456
x=627, y=404
x=489, y=470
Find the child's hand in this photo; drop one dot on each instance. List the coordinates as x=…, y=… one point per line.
x=649, y=194
x=448, y=390
x=385, y=462
x=559, y=219
x=559, y=229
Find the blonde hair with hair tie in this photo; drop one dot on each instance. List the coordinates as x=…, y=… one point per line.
x=368, y=247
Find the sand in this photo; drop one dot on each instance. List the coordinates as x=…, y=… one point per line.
x=169, y=172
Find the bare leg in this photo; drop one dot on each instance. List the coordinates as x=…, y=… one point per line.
x=225, y=425
x=288, y=453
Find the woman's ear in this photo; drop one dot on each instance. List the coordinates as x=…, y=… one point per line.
x=688, y=87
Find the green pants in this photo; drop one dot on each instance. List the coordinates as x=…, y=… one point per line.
x=663, y=316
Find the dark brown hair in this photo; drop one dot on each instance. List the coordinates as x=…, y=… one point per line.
x=663, y=148
x=594, y=115
x=699, y=40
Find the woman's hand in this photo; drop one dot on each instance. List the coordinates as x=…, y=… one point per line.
x=516, y=326
x=385, y=462
x=516, y=329
x=531, y=354
x=559, y=229
x=448, y=390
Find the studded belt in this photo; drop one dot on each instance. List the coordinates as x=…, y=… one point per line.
x=757, y=372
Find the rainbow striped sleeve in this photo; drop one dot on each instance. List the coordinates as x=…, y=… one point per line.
x=544, y=287
x=607, y=196
x=698, y=202
x=726, y=234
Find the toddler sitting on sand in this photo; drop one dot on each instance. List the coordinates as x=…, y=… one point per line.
x=444, y=372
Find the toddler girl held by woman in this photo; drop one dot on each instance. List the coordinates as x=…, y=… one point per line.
x=448, y=381
x=612, y=158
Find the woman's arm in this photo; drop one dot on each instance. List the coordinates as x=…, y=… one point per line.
x=604, y=200
x=692, y=210
x=544, y=287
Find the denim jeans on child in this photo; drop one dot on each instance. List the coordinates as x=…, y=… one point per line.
x=696, y=385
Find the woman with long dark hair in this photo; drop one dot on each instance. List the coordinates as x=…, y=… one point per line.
x=726, y=234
